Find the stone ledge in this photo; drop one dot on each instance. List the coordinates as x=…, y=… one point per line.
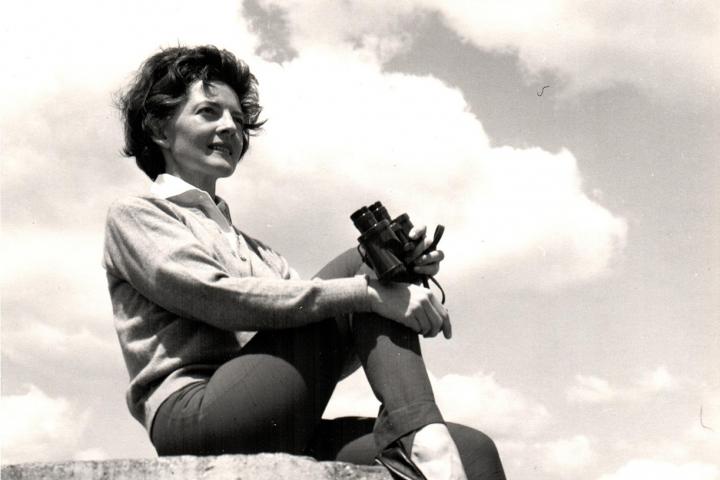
x=264, y=466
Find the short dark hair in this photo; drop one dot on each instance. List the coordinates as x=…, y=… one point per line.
x=162, y=84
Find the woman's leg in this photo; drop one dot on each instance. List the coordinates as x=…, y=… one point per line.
x=272, y=396
x=268, y=399
x=350, y=439
x=390, y=355
x=345, y=439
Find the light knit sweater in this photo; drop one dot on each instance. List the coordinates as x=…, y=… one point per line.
x=181, y=292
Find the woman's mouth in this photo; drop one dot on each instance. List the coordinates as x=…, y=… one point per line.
x=222, y=149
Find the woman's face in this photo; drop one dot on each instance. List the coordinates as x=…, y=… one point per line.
x=202, y=141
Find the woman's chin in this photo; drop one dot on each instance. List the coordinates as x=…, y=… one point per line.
x=225, y=167
x=230, y=169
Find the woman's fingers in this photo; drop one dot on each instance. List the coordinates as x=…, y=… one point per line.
x=434, y=321
x=424, y=321
x=412, y=305
x=445, y=326
x=429, y=263
x=418, y=231
x=424, y=263
x=436, y=256
x=437, y=316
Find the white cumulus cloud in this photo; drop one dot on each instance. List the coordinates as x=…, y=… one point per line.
x=56, y=308
x=352, y=397
x=92, y=45
x=659, y=380
x=566, y=456
x=37, y=427
x=477, y=400
x=592, y=389
x=81, y=352
x=668, y=50
x=96, y=454
x=659, y=470
x=348, y=133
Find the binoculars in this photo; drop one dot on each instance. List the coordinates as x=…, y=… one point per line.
x=386, y=244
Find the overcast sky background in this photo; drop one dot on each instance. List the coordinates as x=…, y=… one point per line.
x=583, y=225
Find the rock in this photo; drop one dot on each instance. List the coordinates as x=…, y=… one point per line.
x=264, y=466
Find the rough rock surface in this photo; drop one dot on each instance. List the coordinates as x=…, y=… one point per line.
x=224, y=467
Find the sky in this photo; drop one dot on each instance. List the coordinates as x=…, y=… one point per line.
x=570, y=148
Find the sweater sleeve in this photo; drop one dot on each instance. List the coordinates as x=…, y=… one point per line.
x=149, y=246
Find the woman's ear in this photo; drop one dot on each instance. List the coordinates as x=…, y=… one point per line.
x=157, y=127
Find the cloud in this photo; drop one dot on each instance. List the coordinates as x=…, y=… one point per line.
x=566, y=456
x=659, y=470
x=82, y=353
x=56, y=309
x=345, y=130
x=481, y=402
x=378, y=29
x=571, y=457
x=64, y=265
x=592, y=389
x=37, y=427
x=475, y=400
x=96, y=454
x=665, y=50
x=659, y=380
x=102, y=43
x=352, y=397
x=514, y=421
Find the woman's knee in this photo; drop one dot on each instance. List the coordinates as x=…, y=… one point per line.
x=478, y=452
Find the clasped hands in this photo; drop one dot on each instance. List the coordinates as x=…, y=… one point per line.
x=414, y=306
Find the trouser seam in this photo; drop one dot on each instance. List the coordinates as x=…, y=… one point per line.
x=391, y=425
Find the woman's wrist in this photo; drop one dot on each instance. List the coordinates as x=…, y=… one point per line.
x=373, y=293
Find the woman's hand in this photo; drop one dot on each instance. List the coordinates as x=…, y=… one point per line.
x=426, y=264
x=429, y=263
x=411, y=305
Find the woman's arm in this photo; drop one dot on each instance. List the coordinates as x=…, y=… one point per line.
x=148, y=246
x=347, y=264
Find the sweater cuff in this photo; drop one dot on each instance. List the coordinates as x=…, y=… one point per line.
x=361, y=298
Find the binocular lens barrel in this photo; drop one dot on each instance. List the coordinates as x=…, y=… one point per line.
x=380, y=212
x=403, y=226
x=363, y=219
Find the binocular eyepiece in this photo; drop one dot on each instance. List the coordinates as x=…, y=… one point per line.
x=387, y=245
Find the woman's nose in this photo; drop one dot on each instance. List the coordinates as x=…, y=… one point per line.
x=226, y=124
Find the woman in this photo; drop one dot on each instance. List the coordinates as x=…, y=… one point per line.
x=228, y=351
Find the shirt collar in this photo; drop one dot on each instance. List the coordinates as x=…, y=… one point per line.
x=179, y=191
x=167, y=185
